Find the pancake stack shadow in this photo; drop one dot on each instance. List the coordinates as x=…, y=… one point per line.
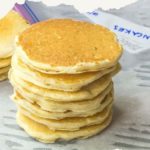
x=10, y=26
x=66, y=100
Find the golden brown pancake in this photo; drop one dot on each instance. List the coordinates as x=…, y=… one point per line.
x=88, y=92
x=37, y=110
x=58, y=106
x=69, y=124
x=44, y=134
x=68, y=46
x=64, y=82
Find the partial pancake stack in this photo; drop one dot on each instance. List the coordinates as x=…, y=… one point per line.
x=4, y=68
x=10, y=26
x=62, y=77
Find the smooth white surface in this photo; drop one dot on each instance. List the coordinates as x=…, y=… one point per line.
x=7, y=5
x=81, y=5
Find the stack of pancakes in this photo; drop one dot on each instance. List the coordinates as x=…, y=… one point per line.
x=61, y=74
x=10, y=26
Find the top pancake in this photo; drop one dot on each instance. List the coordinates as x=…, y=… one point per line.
x=68, y=46
x=10, y=26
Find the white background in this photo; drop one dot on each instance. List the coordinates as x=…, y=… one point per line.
x=81, y=5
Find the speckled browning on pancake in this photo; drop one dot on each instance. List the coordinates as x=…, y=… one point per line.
x=65, y=42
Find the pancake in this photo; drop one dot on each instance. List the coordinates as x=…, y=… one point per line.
x=54, y=106
x=60, y=82
x=3, y=76
x=88, y=92
x=4, y=70
x=65, y=82
x=69, y=124
x=5, y=62
x=44, y=134
x=65, y=46
x=10, y=26
x=36, y=109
